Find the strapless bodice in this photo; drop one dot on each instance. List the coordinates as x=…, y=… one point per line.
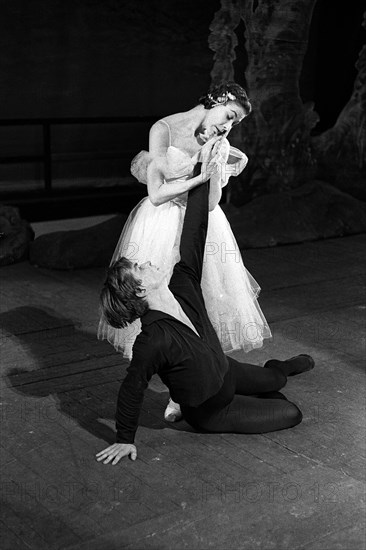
x=180, y=165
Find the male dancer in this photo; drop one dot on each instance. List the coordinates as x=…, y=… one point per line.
x=178, y=342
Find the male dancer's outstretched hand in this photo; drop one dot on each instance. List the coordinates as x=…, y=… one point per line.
x=116, y=452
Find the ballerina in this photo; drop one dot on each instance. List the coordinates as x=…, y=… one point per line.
x=152, y=231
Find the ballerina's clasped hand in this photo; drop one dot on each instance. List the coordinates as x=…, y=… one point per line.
x=165, y=184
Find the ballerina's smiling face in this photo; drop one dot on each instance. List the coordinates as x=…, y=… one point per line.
x=220, y=119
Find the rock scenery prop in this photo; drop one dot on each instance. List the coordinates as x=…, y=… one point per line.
x=16, y=235
x=89, y=247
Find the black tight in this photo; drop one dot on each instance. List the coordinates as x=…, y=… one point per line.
x=248, y=401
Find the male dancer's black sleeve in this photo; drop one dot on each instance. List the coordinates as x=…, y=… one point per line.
x=193, y=238
x=185, y=282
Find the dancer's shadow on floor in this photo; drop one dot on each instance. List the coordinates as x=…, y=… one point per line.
x=46, y=340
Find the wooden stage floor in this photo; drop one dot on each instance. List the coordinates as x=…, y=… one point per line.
x=294, y=489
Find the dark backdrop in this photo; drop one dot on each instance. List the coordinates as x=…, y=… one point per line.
x=103, y=57
x=87, y=58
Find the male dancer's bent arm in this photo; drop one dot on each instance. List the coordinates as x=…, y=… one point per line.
x=144, y=364
x=147, y=358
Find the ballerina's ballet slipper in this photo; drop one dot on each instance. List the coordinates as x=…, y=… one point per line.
x=172, y=412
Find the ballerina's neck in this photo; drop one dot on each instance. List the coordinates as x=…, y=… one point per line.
x=183, y=127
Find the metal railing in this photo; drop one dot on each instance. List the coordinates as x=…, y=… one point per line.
x=47, y=123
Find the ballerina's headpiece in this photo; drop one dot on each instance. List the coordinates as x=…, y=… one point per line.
x=221, y=99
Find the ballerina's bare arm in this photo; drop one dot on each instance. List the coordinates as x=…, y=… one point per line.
x=161, y=192
x=158, y=139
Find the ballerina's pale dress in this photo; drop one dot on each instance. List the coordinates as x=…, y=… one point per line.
x=152, y=233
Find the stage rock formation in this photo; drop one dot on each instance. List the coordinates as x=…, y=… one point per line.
x=90, y=247
x=341, y=150
x=313, y=211
x=15, y=236
x=276, y=136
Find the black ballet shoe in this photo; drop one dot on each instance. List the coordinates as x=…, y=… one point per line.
x=309, y=366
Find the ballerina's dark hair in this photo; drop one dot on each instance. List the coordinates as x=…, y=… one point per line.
x=224, y=92
x=118, y=301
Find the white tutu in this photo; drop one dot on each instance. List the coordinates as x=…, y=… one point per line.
x=152, y=233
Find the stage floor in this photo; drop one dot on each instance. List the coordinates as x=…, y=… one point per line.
x=301, y=488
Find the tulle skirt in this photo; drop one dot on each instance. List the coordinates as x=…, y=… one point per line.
x=152, y=233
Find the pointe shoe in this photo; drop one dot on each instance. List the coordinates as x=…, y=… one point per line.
x=311, y=363
x=172, y=412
